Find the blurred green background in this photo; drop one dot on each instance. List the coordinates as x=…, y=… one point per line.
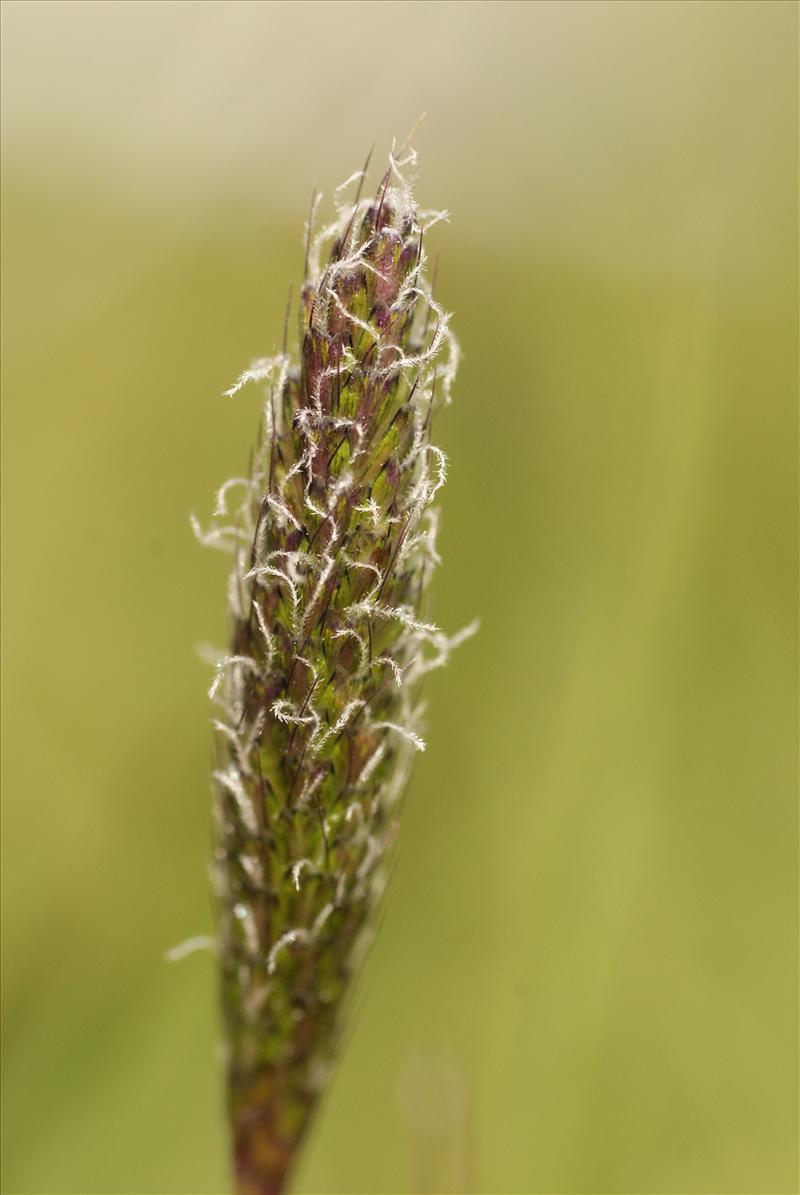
x=586, y=976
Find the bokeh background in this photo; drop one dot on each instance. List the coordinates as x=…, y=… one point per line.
x=586, y=977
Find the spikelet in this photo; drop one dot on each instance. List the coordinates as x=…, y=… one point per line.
x=316, y=706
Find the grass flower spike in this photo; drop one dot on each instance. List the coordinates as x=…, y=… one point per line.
x=317, y=704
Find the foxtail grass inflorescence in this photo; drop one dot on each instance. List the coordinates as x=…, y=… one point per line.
x=317, y=703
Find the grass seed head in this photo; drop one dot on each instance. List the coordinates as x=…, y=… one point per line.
x=316, y=705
